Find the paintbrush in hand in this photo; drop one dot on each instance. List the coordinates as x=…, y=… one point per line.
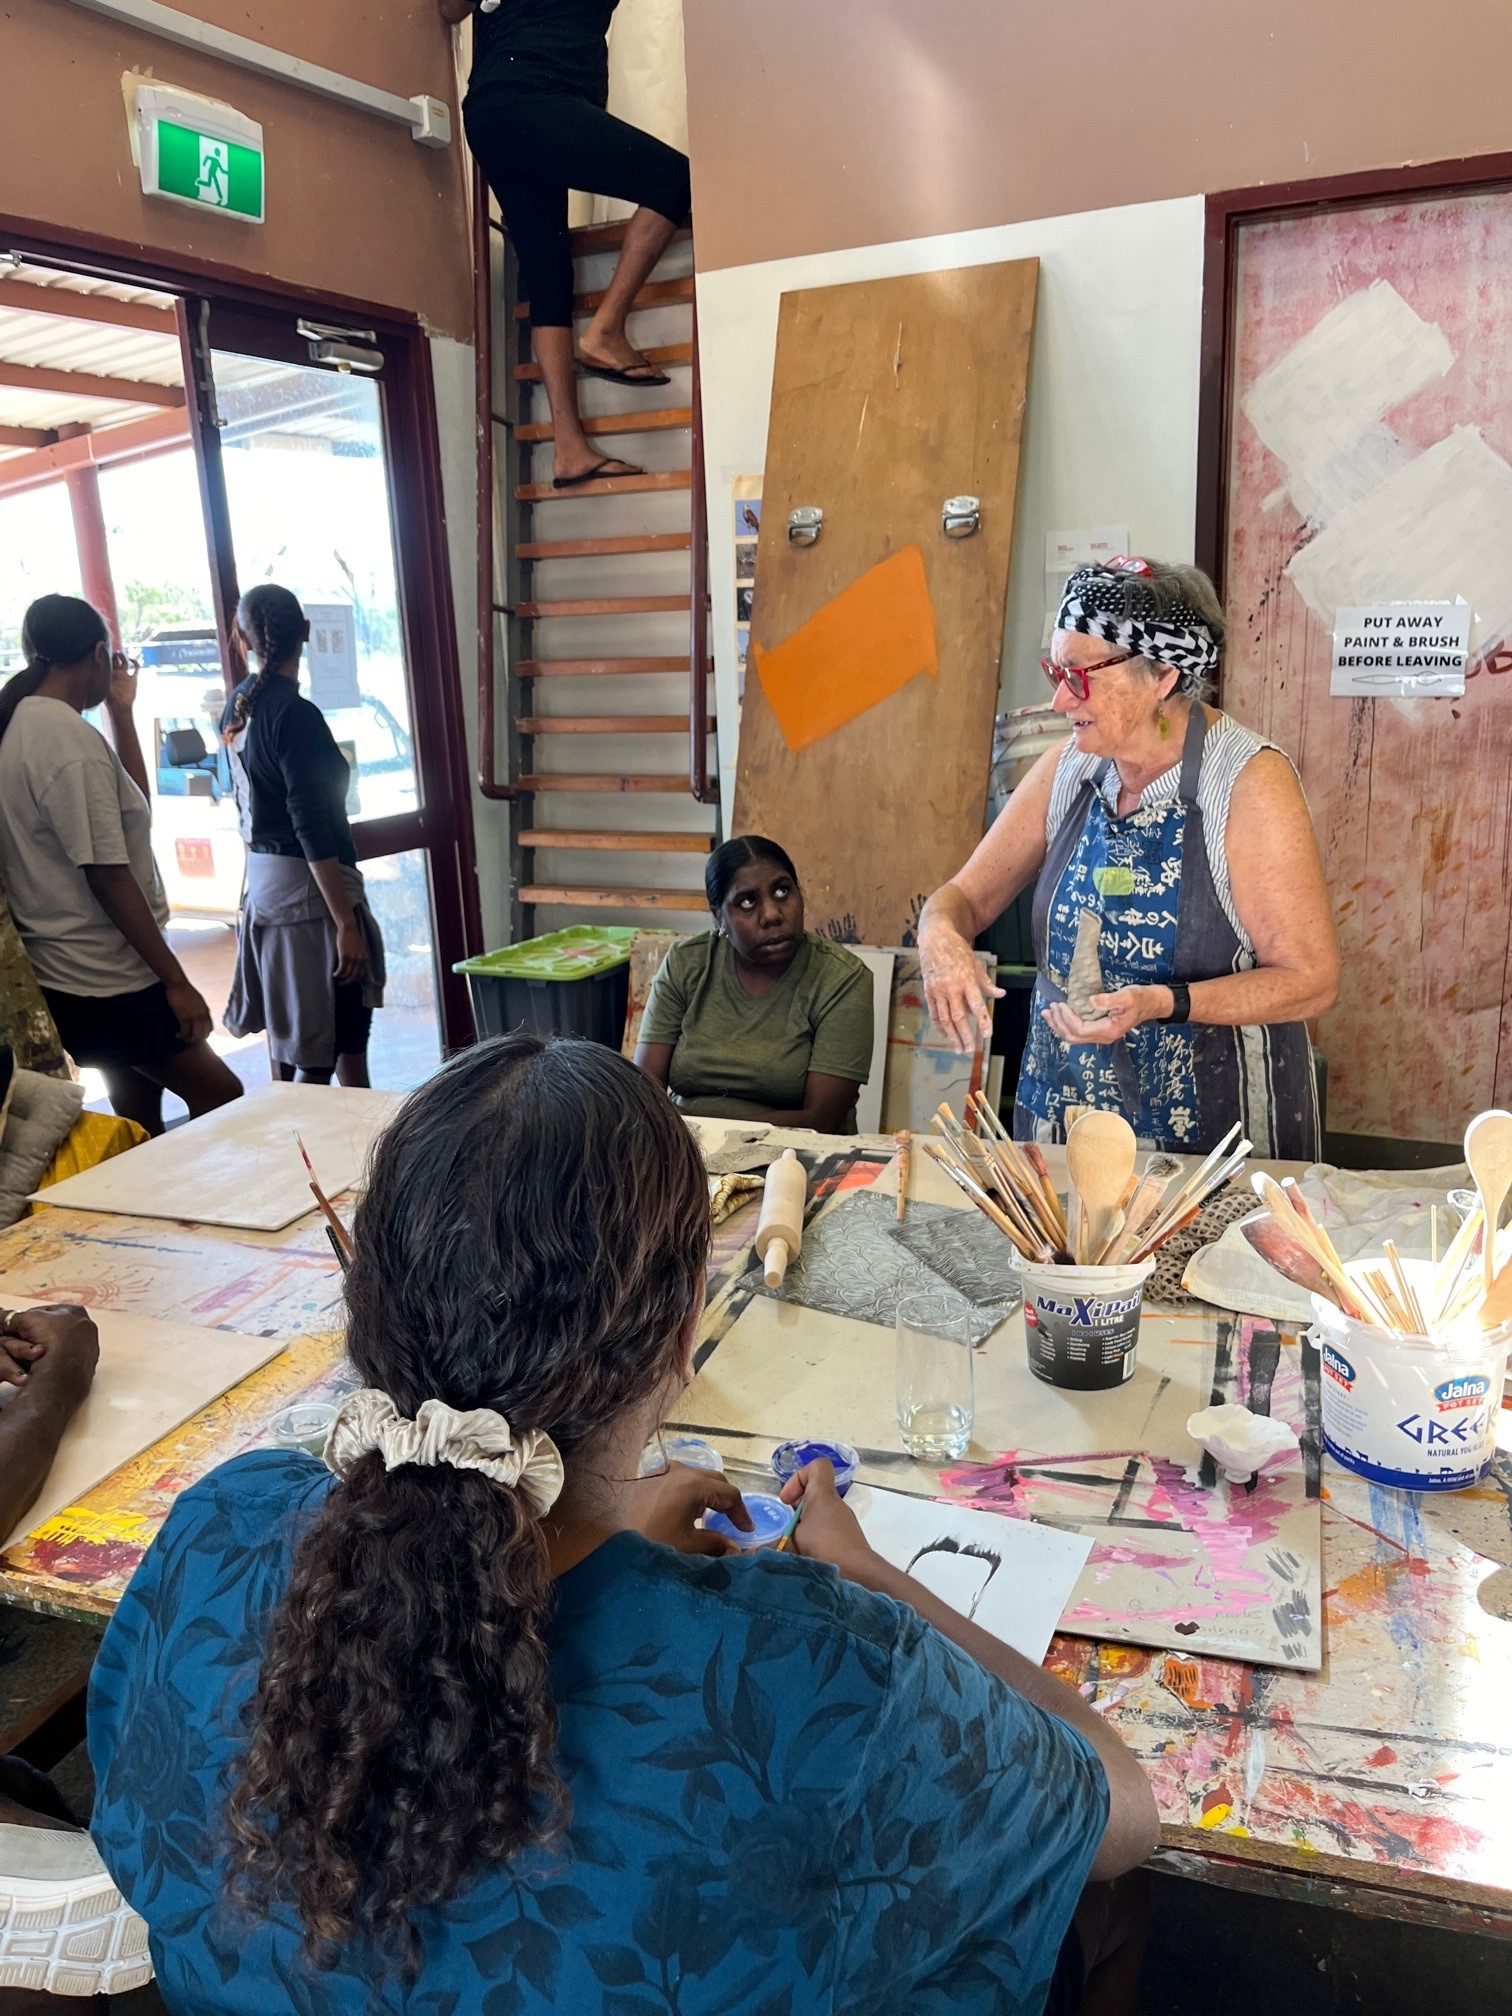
x=339, y=1234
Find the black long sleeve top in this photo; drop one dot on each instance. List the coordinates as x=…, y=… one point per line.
x=298, y=776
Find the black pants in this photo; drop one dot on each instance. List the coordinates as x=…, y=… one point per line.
x=533, y=146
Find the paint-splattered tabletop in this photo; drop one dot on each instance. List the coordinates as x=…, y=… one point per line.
x=1382, y=1781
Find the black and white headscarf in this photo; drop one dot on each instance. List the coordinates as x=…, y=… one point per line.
x=1114, y=603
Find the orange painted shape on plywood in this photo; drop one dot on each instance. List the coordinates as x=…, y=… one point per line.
x=858, y=650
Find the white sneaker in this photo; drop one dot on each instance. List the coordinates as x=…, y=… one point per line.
x=64, y=1926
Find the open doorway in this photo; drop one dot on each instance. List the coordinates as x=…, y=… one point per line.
x=105, y=491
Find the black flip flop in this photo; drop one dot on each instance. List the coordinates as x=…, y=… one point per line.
x=615, y=376
x=571, y=482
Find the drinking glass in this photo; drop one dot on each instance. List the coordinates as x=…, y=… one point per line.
x=936, y=1379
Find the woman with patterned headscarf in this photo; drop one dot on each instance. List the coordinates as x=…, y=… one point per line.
x=1186, y=842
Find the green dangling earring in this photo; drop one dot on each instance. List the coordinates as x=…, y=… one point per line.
x=1162, y=723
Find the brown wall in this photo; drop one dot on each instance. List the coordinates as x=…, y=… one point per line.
x=817, y=124
x=355, y=207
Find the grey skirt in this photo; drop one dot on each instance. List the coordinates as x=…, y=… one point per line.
x=285, y=979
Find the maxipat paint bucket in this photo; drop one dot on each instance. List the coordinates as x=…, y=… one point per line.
x=1413, y=1412
x=1081, y=1324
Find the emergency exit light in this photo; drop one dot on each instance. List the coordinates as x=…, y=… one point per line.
x=199, y=151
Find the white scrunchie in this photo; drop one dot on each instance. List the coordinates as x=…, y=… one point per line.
x=477, y=1440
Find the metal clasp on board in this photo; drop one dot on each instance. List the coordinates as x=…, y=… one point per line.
x=960, y=517
x=805, y=524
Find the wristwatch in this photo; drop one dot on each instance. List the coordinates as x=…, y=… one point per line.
x=1181, y=1002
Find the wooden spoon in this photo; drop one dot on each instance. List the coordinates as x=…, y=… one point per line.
x=1488, y=1150
x=1100, y=1152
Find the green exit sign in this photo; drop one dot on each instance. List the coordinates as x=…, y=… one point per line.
x=196, y=150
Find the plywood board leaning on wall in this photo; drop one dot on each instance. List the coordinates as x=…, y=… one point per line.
x=888, y=397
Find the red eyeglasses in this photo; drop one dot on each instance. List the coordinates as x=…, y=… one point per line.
x=1076, y=678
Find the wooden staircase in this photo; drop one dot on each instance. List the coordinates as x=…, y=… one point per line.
x=593, y=664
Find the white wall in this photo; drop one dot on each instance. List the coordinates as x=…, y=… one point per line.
x=457, y=425
x=1112, y=422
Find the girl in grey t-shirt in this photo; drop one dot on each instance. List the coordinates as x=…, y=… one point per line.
x=83, y=888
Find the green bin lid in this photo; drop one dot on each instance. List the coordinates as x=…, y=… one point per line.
x=581, y=952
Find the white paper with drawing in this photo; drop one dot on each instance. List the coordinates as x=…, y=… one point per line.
x=1010, y=1576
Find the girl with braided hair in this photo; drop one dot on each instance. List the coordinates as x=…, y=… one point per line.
x=309, y=957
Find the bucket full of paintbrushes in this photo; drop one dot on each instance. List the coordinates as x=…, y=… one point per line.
x=1413, y=1351
x=1081, y=1324
x=1083, y=1261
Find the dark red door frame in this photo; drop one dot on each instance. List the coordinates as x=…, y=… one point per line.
x=247, y=312
x=1227, y=213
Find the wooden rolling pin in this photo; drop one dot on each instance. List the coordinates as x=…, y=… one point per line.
x=779, y=1231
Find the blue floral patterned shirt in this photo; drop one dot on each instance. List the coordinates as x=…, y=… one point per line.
x=788, y=1795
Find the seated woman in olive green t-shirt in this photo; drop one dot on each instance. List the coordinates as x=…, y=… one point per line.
x=758, y=1019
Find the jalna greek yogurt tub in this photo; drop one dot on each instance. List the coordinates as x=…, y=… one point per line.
x=1419, y=1413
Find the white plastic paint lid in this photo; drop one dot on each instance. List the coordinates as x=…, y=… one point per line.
x=663, y=1450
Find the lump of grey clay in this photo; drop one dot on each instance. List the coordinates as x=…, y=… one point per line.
x=1085, y=978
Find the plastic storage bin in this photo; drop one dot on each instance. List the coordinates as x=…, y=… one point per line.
x=570, y=983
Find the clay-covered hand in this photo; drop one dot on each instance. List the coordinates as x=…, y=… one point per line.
x=668, y=1508
x=1124, y=1010
x=829, y=1530
x=955, y=987
x=57, y=1343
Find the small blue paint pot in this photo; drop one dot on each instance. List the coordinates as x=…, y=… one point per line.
x=788, y=1458
x=770, y=1519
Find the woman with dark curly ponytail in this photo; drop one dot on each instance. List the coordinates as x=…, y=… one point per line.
x=473, y=1720
x=309, y=954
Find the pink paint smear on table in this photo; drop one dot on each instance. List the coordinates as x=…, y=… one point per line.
x=1221, y=1531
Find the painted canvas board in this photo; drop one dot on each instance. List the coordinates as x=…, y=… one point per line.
x=151, y=1376
x=240, y=1165
x=1010, y=1576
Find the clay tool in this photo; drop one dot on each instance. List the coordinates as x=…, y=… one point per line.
x=1291, y=1220
x=1204, y=1183
x=340, y=1237
x=1488, y=1150
x=1277, y=1247
x=779, y=1230
x=1100, y=1154
x=904, y=1142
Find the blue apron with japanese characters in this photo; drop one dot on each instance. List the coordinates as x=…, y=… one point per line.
x=1181, y=1086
